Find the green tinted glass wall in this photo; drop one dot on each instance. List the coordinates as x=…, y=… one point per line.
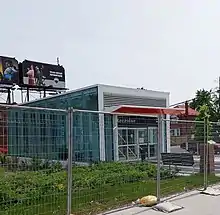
x=109, y=148
x=85, y=125
x=36, y=133
x=84, y=99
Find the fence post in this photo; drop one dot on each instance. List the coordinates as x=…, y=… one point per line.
x=205, y=153
x=70, y=159
x=159, y=143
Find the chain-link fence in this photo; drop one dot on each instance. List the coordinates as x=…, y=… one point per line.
x=86, y=162
x=34, y=151
x=191, y=159
x=119, y=160
x=112, y=156
x=213, y=138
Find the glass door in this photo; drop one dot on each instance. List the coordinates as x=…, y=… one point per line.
x=122, y=144
x=132, y=144
x=127, y=144
x=143, y=143
x=152, y=140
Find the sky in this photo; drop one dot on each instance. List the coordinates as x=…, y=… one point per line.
x=165, y=45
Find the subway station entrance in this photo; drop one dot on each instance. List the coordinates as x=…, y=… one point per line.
x=135, y=131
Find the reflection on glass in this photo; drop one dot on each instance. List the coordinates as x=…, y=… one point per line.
x=152, y=150
x=131, y=136
x=122, y=137
x=142, y=136
x=152, y=135
x=132, y=152
x=122, y=152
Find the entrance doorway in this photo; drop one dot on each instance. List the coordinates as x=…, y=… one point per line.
x=132, y=140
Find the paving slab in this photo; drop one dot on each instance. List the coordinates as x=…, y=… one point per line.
x=193, y=202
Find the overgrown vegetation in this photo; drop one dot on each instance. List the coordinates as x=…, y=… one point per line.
x=95, y=188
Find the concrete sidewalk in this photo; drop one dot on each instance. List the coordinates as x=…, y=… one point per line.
x=193, y=202
x=197, y=158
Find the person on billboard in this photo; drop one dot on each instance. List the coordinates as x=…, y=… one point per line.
x=9, y=71
x=30, y=74
x=39, y=76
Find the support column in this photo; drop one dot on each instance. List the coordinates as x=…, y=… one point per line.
x=115, y=137
x=159, y=144
x=163, y=127
x=168, y=133
x=102, y=137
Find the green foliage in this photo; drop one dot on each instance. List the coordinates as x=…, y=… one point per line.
x=21, y=187
x=201, y=131
x=208, y=99
x=202, y=97
x=95, y=189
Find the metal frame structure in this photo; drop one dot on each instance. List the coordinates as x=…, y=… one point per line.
x=142, y=111
x=102, y=89
x=148, y=142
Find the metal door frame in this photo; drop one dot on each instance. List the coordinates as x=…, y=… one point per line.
x=127, y=145
x=152, y=144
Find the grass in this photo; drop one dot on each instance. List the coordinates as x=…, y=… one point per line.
x=104, y=197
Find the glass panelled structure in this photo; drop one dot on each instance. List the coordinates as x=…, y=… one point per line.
x=39, y=132
x=96, y=136
x=34, y=133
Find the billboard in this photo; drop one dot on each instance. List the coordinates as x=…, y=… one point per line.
x=42, y=75
x=9, y=72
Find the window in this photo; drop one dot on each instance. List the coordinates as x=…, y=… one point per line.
x=175, y=132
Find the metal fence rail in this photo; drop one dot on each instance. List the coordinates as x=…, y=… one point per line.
x=33, y=161
x=191, y=159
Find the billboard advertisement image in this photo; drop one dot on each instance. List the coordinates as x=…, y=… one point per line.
x=9, y=73
x=42, y=74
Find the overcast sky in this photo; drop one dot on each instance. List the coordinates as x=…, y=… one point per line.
x=167, y=45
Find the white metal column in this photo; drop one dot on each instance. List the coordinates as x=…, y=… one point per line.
x=164, y=145
x=102, y=137
x=159, y=144
x=101, y=125
x=168, y=133
x=115, y=137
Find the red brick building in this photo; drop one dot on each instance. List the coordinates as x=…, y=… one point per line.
x=182, y=127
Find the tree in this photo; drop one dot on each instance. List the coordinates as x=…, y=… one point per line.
x=201, y=130
x=206, y=99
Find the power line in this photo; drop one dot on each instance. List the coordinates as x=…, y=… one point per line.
x=180, y=103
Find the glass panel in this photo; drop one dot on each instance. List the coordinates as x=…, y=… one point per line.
x=142, y=136
x=122, y=137
x=155, y=135
x=152, y=135
x=122, y=152
x=132, y=152
x=131, y=136
x=109, y=145
x=152, y=150
x=143, y=151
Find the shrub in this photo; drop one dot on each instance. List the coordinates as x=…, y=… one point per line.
x=28, y=186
